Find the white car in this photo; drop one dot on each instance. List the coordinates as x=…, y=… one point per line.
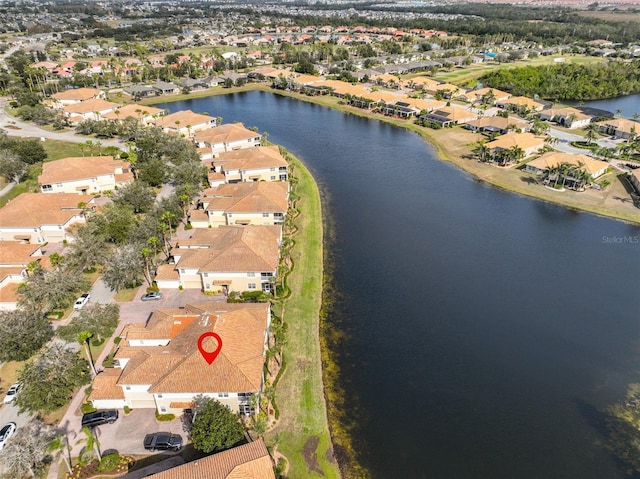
x=6, y=432
x=12, y=393
x=81, y=301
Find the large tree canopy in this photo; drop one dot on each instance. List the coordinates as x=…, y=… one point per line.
x=97, y=319
x=215, y=427
x=49, y=381
x=22, y=333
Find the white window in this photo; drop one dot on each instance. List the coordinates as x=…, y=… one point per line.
x=251, y=285
x=47, y=187
x=272, y=169
x=128, y=388
x=265, y=215
x=223, y=395
x=163, y=410
x=273, y=178
x=251, y=274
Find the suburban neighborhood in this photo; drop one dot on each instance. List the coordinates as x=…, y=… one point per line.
x=148, y=257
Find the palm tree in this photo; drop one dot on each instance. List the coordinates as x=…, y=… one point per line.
x=91, y=442
x=60, y=447
x=592, y=132
x=482, y=150
x=550, y=171
x=83, y=338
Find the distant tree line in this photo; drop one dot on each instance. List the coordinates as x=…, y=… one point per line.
x=568, y=81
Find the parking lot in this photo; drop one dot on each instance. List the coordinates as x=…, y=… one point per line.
x=126, y=434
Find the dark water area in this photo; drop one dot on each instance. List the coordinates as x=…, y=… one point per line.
x=627, y=105
x=486, y=331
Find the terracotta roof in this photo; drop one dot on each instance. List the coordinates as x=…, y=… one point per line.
x=307, y=79
x=453, y=113
x=9, y=293
x=105, y=385
x=79, y=168
x=77, y=94
x=251, y=158
x=622, y=124
x=185, y=117
x=522, y=101
x=88, y=106
x=37, y=209
x=230, y=132
x=232, y=248
x=252, y=197
x=521, y=140
x=249, y=461
x=133, y=111
x=180, y=368
x=498, y=122
x=15, y=252
x=554, y=158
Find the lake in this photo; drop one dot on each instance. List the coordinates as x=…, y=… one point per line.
x=485, y=330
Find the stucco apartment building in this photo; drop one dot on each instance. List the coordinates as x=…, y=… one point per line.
x=185, y=122
x=14, y=258
x=38, y=218
x=92, y=109
x=224, y=138
x=158, y=364
x=254, y=203
x=84, y=175
x=527, y=142
x=224, y=259
x=262, y=163
x=70, y=97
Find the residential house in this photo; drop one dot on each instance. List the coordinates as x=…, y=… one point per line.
x=84, y=175
x=38, y=218
x=224, y=259
x=143, y=113
x=223, y=138
x=595, y=168
x=69, y=97
x=568, y=117
x=520, y=104
x=185, y=122
x=249, y=461
x=386, y=80
x=485, y=95
x=254, y=203
x=92, y=109
x=166, y=88
x=528, y=143
x=410, y=107
x=262, y=163
x=159, y=365
x=499, y=124
x=139, y=91
x=443, y=90
x=14, y=258
x=449, y=116
x=620, y=128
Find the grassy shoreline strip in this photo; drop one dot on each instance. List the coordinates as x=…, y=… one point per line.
x=302, y=433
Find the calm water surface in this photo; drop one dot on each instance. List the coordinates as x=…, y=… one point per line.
x=486, y=329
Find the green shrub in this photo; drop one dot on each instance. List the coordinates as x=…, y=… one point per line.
x=127, y=409
x=87, y=407
x=109, y=462
x=165, y=417
x=180, y=287
x=188, y=226
x=117, y=340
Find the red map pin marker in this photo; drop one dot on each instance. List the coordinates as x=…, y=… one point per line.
x=209, y=356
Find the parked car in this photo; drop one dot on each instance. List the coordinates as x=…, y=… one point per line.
x=99, y=418
x=81, y=301
x=163, y=441
x=6, y=432
x=152, y=296
x=12, y=393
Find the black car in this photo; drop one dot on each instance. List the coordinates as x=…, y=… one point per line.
x=162, y=441
x=98, y=418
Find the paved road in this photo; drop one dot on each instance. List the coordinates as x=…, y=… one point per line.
x=29, y=130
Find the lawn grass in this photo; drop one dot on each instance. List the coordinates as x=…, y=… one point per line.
x=57, y=149
x=300, y=393
x=126, y=294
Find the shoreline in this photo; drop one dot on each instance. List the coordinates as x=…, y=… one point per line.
x=452, y=146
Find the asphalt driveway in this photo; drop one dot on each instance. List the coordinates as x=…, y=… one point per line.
x=126, y=435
